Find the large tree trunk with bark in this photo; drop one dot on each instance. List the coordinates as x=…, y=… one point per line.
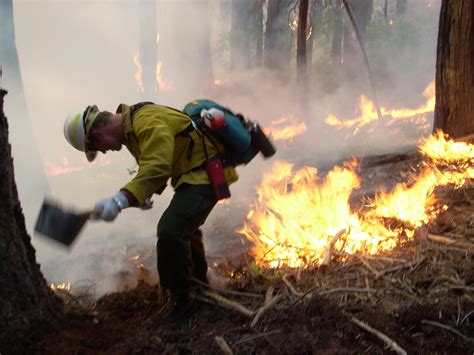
x=454, y=112
x=25, y=297
x=27, y=161
x=301, y=59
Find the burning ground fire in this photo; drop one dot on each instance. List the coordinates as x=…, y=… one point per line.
x=299, y=217
x=368, y=114
x=64, y=286
x=63, y=166
x=286, y=128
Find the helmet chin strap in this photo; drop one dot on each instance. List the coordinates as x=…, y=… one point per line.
x=364, y=54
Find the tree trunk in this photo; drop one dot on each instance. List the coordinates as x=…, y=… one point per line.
x=278, y=43
x=24, y=295
x=454, y=112
x=240, y=36
x=301, y=65
x=148, y=48
x=27, y=160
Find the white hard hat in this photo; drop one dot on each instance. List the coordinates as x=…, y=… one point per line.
x=77, y=128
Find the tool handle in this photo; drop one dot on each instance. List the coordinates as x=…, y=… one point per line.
x=93, y=212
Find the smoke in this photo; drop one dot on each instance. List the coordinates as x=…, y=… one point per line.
x=78, y=52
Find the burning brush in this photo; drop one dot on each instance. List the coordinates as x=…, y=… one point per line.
x=300, y=216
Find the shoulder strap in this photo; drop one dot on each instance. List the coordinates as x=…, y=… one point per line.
x=136, y=107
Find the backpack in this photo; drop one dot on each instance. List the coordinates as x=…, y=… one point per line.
x=237, y=135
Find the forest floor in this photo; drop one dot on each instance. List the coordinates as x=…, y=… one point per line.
x=420, y=295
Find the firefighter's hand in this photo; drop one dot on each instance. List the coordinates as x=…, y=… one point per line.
x=148, y=204
x=109, y=208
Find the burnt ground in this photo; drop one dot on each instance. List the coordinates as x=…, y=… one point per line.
x=420, y=295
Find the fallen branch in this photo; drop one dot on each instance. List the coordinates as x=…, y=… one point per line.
x=330, y=247
x=368, y=266
x=290, y=286
x=400, y=267
x=223, y=345
x=346, y=289
x=230, y=292
x=227, y=303
x=265, y=308
x=451, y=242
x=326, y=292
x=447, y=327
x=388, y=341
x=269, y=294
x=253, y=337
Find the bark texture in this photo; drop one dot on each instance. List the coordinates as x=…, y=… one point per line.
x=301, y=64
x=24, y=294
x=454, y=112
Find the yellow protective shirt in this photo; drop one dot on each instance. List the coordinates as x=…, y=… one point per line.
x=162, y=152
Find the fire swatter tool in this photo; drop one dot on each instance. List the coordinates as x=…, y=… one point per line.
x=59, y=224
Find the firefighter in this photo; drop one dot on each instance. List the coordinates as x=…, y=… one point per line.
x=165, y=149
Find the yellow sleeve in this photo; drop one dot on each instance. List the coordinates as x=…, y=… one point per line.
x=156, y=144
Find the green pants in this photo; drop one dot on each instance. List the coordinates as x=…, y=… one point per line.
x=180, y=249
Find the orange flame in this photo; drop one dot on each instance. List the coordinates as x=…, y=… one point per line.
x=286, y=128
x=138, y=73
x=64, y=167
x=163, y=84
x=298, y=214
x=64, y=286
x=368, y=113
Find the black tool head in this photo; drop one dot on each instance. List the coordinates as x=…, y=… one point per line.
x=59, y=225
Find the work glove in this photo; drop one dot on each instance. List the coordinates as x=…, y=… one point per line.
x=109, y=208
x=148, y=204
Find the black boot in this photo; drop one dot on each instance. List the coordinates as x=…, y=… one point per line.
x=183, y=309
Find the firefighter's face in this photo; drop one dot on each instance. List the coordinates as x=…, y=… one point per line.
x=104, y=139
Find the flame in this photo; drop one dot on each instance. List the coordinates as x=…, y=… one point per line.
x=439, y=148
x=135, y=257
x=293, y=25
x=61, y=168
x=298, y=214
x=138, y=73
x=64, y=167
x=221, y=82
x=163, y=84
x=286, y=128
x=368, y=113
x=64, y=286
